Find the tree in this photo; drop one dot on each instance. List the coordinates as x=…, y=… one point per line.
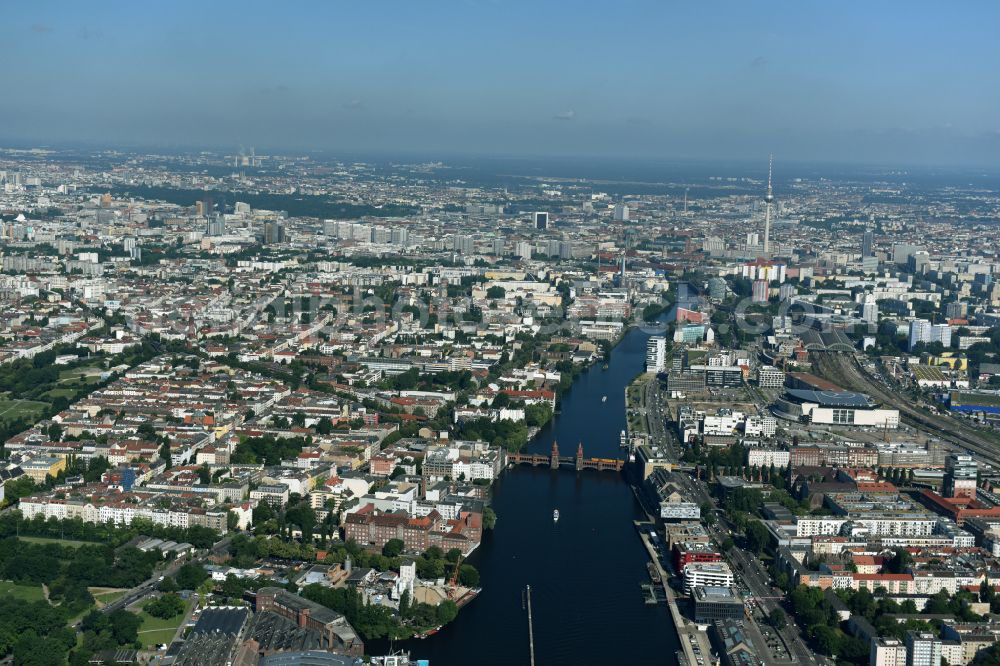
x=986, y=592
x=538, y=414
x=20, y=487
x=405, y=600
x=165, y=454
x=827, y=638
x=468, y=576
x=34, y=650
x=727, y=544
x=757, y=537
x=204, y=475
x=447, y=611
x=190, y=576
x=988, y=657
x=708, y=513
x=900, y=562
x=166, y=606
x=303, y=515
x=168, y=584
x=393, y=548
x=124, y=626
x=495, y=292
x=778, y=619
x=262, y=512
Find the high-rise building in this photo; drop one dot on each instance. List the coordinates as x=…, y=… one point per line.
x=274, y=233
x=541, y=220
x=216, y=226
x=922, y=330
x=400, y=236
x=922, y=649
x=869, y=309
x=621, y=213
x=919, y=262
x=764, y=270
x=956, y=310
x=768, y=203
x=868, y=244
x=656, y=354
x=901, y=252
x=887, y=652
x=761, y=291
x=960, y=476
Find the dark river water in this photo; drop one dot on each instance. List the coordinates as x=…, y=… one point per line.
x=585, y=570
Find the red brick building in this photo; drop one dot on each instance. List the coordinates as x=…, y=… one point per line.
x=371, y=529
x=337, y=635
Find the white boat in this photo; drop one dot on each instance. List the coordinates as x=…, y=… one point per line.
x=555, y=516
x=604, y=398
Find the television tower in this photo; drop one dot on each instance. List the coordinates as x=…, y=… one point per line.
x=768, y=201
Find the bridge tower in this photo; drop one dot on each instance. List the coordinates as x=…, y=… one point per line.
x=554, y=458
x=579, y=456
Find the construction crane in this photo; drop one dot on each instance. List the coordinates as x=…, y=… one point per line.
x=454, y=575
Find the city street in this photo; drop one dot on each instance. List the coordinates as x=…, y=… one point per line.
x=750, y=574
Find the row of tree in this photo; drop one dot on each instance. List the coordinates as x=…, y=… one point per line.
x=13, y=523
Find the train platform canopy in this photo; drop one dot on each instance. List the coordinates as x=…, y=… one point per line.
x=831, y=340
x=844, y=399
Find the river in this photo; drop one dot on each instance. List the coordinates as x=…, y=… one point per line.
x=585, y=570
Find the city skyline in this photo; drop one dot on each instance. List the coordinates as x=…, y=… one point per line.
x=643, y=80
x=500, y=332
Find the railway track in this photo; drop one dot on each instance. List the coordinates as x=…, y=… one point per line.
x=847, y=372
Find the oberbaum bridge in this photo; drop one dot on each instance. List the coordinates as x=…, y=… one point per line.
x=554, y=460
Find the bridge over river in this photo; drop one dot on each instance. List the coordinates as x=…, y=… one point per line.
x=554, y=460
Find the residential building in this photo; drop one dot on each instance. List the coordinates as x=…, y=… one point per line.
x=922, y=649
x=699, y=574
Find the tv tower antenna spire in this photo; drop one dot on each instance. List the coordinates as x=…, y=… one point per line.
x=768, y=201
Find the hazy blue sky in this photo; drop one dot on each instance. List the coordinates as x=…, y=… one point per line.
x=879, y=81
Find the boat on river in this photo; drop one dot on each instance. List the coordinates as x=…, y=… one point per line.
x=555, y=516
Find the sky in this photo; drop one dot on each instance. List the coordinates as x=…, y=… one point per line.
x=901, y=82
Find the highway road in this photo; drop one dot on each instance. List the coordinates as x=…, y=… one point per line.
x=148, y=587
